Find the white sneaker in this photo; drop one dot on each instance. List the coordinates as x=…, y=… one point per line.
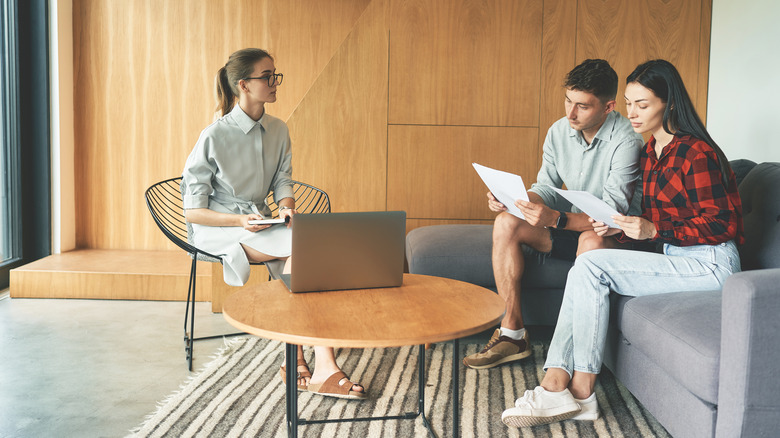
x=541, y=407
x=590, y=409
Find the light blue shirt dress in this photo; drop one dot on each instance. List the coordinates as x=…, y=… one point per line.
x=234, y=165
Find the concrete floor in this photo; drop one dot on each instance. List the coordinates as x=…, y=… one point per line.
x=93, y=368
x=96, y=368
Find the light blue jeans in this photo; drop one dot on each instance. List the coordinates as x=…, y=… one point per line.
x=581, y=331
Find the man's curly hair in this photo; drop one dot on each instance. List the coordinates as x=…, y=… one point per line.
x=594, y=76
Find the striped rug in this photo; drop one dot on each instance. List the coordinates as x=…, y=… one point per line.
x=240, y=394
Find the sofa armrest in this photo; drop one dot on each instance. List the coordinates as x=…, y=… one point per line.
x=748, y=401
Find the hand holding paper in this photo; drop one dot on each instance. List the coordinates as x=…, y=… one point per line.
x=591, y=205
x=505, y=186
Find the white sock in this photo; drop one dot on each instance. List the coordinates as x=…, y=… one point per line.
x=590, y=408
x=513, y=334
x=590, y=399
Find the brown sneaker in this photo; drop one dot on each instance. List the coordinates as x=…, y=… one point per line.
x=500, y=350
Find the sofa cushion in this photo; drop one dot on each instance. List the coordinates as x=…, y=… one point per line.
x=463, y=252
x=460, y=252
x=681, y=332
x=760, y=193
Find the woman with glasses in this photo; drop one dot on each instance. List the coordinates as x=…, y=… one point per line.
x=690, y=205
x=238, y=160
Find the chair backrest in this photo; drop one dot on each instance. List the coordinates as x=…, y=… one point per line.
x=308, y=199
x=167, y=208
x=164, y=200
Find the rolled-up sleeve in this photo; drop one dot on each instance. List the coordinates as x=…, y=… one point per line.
x=197, y=175
x=282, y=182
x=623, y=176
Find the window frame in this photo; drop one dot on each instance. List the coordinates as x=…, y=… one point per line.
x=25, y=28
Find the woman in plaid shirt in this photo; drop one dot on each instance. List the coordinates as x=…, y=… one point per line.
x=690, y=207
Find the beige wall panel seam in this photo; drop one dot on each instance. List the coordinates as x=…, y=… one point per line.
x=704, y=59
x=325, y=65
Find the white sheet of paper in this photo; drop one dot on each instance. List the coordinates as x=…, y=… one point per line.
x=506, y=187
x=590, y=205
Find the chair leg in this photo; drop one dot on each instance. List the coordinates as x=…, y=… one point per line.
x=189, y=316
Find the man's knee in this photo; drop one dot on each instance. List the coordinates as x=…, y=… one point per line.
x=506, y=226
x=589, y=241
x=510, y=228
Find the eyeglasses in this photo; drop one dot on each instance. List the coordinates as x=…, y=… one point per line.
x=273, y=79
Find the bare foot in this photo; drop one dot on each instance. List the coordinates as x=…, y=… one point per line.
x=304, y=375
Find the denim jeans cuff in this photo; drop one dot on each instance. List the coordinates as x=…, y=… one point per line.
x=589, y=369
x=562, y=367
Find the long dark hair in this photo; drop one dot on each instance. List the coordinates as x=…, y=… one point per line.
x=240, y=65
x=680, y=117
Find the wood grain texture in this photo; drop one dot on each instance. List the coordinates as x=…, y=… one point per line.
x=430, y=173
x=629, y=33
x=144, y=89
x=465, y=62
x=111, y=274
x=354, y=69
x=704, y=60
x=424, y=310
x=339, y=131
x=558, y=58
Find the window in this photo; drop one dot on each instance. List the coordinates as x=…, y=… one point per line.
x=25, y=218
x=10, y=220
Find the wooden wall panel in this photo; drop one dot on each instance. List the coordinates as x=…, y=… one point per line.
x=339, y=131
x=382, y=97
x=465, y=62
x=558, y=58
x=430, y=173
x=629, y=33
x=703, y=73
x=144, y=89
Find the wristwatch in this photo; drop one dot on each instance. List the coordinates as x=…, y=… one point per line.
x=562, y=220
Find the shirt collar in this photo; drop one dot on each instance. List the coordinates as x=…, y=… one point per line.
x=244, y=121
x=606, y=130
x=676, y=138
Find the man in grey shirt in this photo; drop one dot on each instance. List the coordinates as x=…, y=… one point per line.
x=593, y=149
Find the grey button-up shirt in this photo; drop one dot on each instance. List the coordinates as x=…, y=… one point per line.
x=237, y=162
x=608, y=167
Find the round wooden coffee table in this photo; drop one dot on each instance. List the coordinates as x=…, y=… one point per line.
x=423, y=310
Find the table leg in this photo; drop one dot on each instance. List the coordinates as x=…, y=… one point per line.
x=421, y=388
x=455, y=388
x=291, y=388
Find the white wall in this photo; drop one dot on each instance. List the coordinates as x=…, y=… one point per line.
x=743, y=102
x=63, y=208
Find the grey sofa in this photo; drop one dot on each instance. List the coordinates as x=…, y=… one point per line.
x=703, y=363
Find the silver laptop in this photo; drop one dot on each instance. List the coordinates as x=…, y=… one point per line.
x=335, y=251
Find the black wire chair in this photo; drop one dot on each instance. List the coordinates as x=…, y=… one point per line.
x=164, y=200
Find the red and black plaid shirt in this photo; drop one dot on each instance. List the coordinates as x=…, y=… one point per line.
x=684, y=196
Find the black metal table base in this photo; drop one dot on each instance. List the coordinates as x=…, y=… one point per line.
x=291, y=397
